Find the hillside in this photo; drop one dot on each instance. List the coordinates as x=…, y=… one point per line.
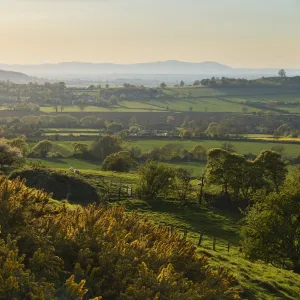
x=16, y=77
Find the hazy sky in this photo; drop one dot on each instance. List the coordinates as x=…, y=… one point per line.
x=240, y=33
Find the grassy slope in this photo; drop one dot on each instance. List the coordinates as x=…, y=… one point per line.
x=258, y=281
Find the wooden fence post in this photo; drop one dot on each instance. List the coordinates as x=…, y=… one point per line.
x=214, y=244
x=119, y=196
x=200, y=239
x=185, y=233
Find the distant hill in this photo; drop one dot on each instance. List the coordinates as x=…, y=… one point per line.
x=82, y=69
x=16, y=77
x=153, y=71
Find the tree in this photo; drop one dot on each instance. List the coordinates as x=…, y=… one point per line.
x=81, y=105
x=42, y=148
x=155, y=180
x=183, y=184
x=197, y=82
x=198, y=153
x=106, y=145
x=274, y=168
x=80, y=148
x=119, y=162
x=21, y=144
x=181, y=83
x=245, y=109
x=282, y=73
x=107, y=86
x=272, y=228
x=237, y=177
x=55, y=104
x=10, y=156
x=62, y=108
x=187, y=134
x=114, y=126
x=163, y=85
x=215, y=129
x=113, y=100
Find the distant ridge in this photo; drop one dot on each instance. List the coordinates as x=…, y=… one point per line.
x=84, y=70
x=16, y=77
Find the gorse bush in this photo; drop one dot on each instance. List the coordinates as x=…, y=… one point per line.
x=48, y=251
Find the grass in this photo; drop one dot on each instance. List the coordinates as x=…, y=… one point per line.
x=124, y=106
x=200, y=105
x=242, y=147
x=257, y=280
x=201, y=99
x=66, y=163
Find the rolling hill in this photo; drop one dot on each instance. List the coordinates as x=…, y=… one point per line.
x=16, y=77
x=84, y=70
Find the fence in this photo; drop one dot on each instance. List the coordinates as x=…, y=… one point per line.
x=212, y=242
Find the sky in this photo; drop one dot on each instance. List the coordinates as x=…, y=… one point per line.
x=239, y=33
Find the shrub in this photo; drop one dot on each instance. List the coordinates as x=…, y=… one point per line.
x=10, y=156
x=105, y=145
x=119, y=162
x=53, y=252
x=42, y=148
x=155, y=180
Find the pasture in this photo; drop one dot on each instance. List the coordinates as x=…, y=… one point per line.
x=267, y=282
x=200, y=99
x=243, y=147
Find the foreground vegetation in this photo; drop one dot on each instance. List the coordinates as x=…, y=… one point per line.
x=100, y=253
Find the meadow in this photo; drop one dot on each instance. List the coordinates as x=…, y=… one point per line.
x=266, y=283
x=243, y=147
x=258, y=281
x=199, y=99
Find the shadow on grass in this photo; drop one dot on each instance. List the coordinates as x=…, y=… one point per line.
x=215, y=223
x=53, y=160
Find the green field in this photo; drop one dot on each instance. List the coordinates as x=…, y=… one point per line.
x=201, y=99
x=123, y=106
x=241, y=146
x=258, y=281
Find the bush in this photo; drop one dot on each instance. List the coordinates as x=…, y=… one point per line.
x=10, y=156
x=42, y=148
x=52, y=252
x=155, y=180
x=119, y=162
x=104, y=146
x=62, y=185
